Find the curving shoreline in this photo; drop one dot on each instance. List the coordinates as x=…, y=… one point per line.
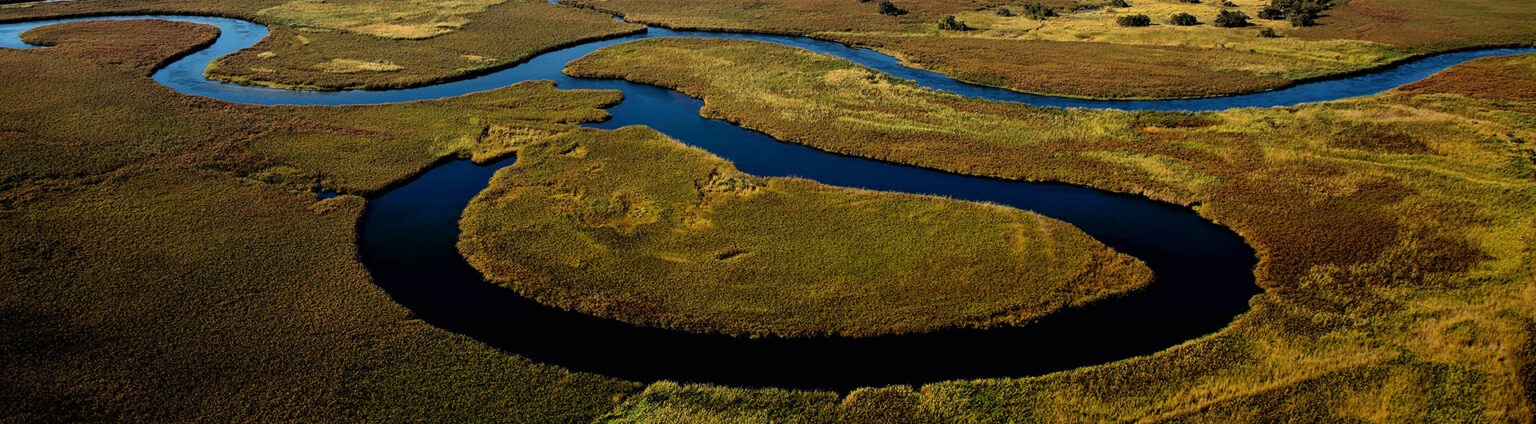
x=407, y=240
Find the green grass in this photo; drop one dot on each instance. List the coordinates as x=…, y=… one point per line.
x=639, y=227
x=350, y=44
x=1395, y=232
x=163, y=259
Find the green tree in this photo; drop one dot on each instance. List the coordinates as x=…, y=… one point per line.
x=1299, y=12
x=1039, y=11
x=890, y=9
x=1183, y=19
x=950, y=24
x=1231, y=19
x=1134, y=20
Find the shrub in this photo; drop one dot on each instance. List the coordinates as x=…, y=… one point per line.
x=1271, y=13
x=1190, y=1
x=950, y=24
x=890, y=9
x=1183, y=19
x=1231, y=19
x=1303, y=20
x=1134, y=20
x=1004, y=12
x=1118, y=3
x=1268, y=33
x=1299, y=12
x=1038, y=11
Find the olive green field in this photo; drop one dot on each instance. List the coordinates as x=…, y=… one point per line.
x=641, y=228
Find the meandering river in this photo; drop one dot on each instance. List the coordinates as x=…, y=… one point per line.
x=1204, y=272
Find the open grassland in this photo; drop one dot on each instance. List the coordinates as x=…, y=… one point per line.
x=346, y=44
x=1395, y=237
x=1086, y=53
x=635, y=226
x=162, y=258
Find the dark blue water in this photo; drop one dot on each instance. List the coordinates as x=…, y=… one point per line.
x=408, y=236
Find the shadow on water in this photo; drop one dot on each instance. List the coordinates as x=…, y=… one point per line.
x=408, y=235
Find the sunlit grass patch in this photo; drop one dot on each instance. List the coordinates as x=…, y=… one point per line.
x=408, y=19
x=639, y=227
x=347, y=66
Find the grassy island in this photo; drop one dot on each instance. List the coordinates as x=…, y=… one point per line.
x=636, y=226
x=369, y=44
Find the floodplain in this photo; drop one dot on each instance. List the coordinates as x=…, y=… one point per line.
x=175, y=258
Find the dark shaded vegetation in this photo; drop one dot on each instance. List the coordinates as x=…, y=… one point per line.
x=635, y=226
x=1137, y=20
x=1394, y=232
x=1183, y=19
x=1230, y=19
x=950, y=24
x=889, y=9
x=159, y=266
x=1039, y=11
x=1300, y=13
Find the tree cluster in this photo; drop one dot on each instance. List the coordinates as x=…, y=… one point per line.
x=1300, y=13
x=890, y=9
x=1039, y=11
x=1183, y=19
x=1134, y=20
x=950, y=24
x=1231, y=19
